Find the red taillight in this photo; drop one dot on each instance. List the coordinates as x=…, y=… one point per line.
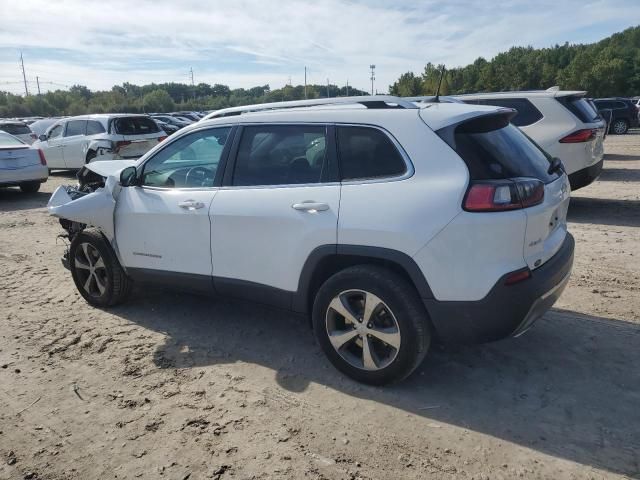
x=580, y=136
x=43, y=160
x=121, y=143
x=517, y=276
x=501, y=195
x=162, y=138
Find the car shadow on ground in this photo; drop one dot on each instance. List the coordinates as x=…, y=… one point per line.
x=569, y=388
x=619, y=175
x=603, y=211
x=13, y=199
x=617, y=157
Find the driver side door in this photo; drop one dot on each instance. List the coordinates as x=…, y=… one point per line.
x=162, y=224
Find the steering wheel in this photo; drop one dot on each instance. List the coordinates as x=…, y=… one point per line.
x=202, y=173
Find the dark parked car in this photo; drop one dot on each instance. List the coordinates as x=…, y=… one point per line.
x=624, y=114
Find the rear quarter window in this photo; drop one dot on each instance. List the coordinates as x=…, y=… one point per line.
x=135, y=126
x=367, y=152
x=94, y=127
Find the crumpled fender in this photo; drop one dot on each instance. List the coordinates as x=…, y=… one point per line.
x=102, y=147
x=95, y=209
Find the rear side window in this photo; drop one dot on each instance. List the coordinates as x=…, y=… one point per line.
x=280, y=155
x=15, y=128
x=527, y=114
x=75, y=127
x=94, y=127
x=581, y=108
x=494, y=149
x=135, y=126
x=367, y=152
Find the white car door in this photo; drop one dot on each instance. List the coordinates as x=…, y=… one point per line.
x=75, y=143
x=279, y=202
x=52, y=147
x=162, y=225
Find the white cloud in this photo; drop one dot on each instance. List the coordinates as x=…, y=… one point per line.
x=247, y=43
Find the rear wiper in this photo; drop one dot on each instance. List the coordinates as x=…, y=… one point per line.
x=555, y=166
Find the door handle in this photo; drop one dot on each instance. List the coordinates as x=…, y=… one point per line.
x=310, y=206
x=191, y=205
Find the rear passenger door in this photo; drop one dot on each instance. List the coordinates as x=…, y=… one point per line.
x=279, y=201
x=74, y=142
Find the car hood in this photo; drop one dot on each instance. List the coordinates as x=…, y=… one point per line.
x=106, y=168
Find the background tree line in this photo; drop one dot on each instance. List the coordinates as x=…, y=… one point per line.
x=610, y=67
x=165, y=97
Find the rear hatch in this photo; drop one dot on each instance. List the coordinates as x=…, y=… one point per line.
x=589, y=119
x=135, y=135
x=501, y=157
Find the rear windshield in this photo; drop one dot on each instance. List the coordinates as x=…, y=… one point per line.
x=135, y=126
x=494, y=149
x=581, y=108
x=9, y=141
x=15, y=128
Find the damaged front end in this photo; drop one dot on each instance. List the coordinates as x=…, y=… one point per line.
x=89, y=203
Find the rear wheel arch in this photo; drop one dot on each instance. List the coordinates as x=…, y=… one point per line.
x=327, y=260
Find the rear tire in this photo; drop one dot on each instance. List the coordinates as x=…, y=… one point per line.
x=30, y=187
x=371, y=324
x=96, y=271
x=619, y=127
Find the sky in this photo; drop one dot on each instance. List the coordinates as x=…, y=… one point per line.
x=246, y=43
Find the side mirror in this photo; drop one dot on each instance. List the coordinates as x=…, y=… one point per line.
x=128, y=176
x=42, y=138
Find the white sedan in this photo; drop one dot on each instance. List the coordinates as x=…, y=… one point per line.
x=21, y=165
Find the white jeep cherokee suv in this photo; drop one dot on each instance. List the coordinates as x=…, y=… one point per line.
x=390, y=224
x=564, y=123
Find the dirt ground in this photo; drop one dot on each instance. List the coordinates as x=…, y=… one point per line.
x=178, y=386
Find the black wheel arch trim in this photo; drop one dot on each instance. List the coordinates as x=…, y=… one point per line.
x=323, y=253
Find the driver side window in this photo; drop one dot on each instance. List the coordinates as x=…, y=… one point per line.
x=189, y=162
x=55, y=132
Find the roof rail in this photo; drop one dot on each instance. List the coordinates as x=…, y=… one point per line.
x=431, y=99
x=377, y=101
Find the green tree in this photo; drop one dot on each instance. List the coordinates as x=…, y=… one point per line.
x=158, y=101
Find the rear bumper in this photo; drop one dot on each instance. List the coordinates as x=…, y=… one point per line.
x=16, y=176
x=506, y=310
x=584, y=177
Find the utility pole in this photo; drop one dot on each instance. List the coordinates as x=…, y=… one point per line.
x=305, y=82
x=328, y=88
x=373, y=76
x=193, y=85
x=24, y=76
x=38, y=83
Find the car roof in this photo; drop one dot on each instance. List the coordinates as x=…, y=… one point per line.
x=12, y=122
x=435, y=115
x=104, y=116
x=522, y=93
